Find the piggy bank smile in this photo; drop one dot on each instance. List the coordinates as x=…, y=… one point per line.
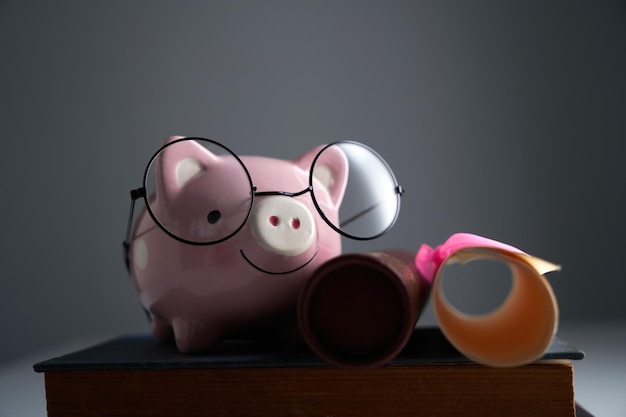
x=276, y=272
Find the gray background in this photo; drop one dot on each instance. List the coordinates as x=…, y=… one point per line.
x=505, y=119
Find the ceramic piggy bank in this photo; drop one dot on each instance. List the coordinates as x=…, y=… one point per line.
x=226, y=243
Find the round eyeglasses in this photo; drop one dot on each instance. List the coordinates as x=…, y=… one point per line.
x=183, y=167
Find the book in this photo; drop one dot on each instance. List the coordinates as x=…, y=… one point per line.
x=133, y=375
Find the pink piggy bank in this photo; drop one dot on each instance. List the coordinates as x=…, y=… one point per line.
x=225, y=244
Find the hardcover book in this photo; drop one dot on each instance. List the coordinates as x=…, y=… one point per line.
x=135, y=376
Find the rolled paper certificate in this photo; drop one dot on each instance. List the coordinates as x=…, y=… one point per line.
x=359, y=310
x=517, y=332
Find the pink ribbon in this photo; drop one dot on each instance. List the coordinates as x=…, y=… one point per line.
x=429, y=260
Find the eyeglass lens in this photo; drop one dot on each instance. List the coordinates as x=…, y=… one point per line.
x=194, y=206
x=371, y=200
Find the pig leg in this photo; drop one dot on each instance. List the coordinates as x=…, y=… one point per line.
x=195, y=336
x=161, y=330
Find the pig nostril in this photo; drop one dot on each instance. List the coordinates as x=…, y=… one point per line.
x=295, y=223
x=274, y=220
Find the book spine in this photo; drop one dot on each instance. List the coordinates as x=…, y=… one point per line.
x=538, y=390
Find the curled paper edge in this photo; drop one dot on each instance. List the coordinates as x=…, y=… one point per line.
x=429, y=260
x=517, y=332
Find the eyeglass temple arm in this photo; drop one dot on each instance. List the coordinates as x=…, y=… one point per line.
x=399, y=191
x=134, y=195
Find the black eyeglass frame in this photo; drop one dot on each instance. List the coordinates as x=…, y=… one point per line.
x=141, y=193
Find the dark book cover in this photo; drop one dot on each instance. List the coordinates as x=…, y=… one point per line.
x=427, y=345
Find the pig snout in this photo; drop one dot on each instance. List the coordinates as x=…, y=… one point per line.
x=282, y=225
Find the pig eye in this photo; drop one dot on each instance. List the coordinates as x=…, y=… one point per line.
x=213, y=216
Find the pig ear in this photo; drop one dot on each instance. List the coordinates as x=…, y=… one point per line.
x=331, y=170
x=178, y=163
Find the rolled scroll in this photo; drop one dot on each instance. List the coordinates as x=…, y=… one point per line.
x=517, y=332
x=359, y=310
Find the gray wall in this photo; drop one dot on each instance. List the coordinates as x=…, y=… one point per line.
x=505, y=119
